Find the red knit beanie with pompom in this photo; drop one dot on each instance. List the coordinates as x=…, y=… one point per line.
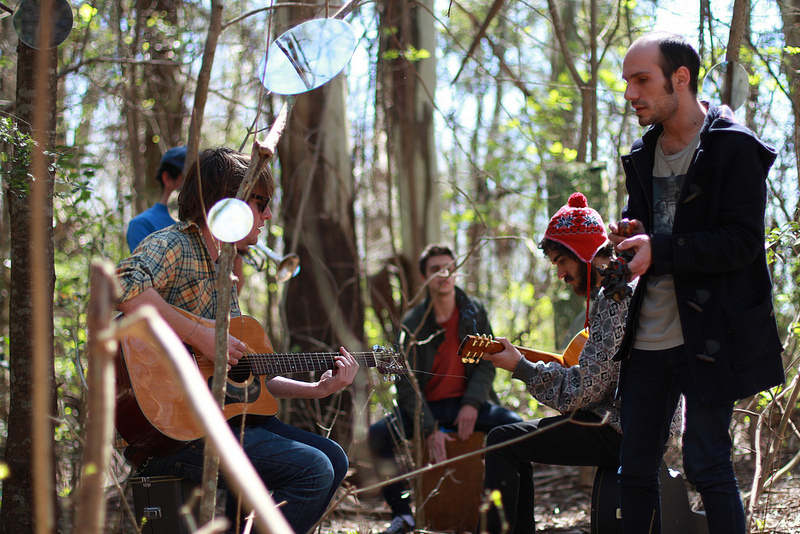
x=579, y=228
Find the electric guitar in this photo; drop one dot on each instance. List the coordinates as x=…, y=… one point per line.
x=152, y=413
x=473, y=348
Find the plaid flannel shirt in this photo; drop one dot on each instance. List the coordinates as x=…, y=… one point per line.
x=176, y=263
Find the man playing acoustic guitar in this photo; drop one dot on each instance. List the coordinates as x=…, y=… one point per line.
x=588, y=432
x=176, y=268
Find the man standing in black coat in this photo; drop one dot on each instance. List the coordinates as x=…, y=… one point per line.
x=701, y=322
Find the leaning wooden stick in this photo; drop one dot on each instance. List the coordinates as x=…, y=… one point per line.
x=148, y=324
x=90, y=512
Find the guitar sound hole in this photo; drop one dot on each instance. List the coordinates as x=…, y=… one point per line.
x=241, y=371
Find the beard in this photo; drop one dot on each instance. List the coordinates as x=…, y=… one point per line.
x=663, y=108
x=578, y=282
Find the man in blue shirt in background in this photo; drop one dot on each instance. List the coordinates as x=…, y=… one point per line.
x=170, y=176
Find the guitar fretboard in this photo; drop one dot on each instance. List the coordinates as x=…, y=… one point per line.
x=276, y=363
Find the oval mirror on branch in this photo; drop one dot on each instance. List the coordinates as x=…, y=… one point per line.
x=230, y=220
x=26, y=22
x=307, y=56
x=727, y=83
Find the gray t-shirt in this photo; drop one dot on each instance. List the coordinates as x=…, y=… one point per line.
x=659, y=325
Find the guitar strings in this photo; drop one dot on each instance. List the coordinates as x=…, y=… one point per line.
x=264, y=363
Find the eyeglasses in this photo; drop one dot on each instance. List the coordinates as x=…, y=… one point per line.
x=443, y=271
x=262, y=202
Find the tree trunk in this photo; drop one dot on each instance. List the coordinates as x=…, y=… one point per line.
x=565, y=34
x=203, y=79
x=324, y=304
x=7, y=88
x=153, y=130
x=790, y=12
x=405, y=98
x=31, y=505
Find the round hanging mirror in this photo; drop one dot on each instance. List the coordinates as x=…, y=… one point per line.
x=26, y=23
x=307, y=56
x=230, y=220
x=727, y=83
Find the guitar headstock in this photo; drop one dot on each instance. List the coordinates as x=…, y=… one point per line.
x=388, y=362
x=473, y=348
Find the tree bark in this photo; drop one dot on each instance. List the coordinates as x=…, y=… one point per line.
x=153, y=130
x=790, y=12
x=406, y=94
x=91, y=510
x=324, y=303
x=28, y=494
x=203, y=78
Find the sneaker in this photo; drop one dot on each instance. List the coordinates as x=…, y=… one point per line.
x=400, y=525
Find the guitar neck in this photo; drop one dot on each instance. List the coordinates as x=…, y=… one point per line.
x=473, y=348
x=261, y=361
x=533, y=355
x=276, y=363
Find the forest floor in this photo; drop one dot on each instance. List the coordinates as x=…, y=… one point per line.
x=563, y=506
x=563, y=501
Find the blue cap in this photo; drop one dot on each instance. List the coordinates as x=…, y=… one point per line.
x=175, y=157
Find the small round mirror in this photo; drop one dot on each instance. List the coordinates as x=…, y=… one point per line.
x=727, y=83
x=26, y=23
x=307, y=56
x=230, y=220
x=288, y=268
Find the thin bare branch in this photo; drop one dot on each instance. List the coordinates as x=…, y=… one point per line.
x=493, y=11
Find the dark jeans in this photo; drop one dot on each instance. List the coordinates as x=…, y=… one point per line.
x=298, y=467
x=575, y=439
x=384, y=434
x=651, y=387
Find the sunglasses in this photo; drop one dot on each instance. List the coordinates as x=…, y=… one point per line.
x=262, y=202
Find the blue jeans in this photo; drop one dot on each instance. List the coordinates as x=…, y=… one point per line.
x=384, y=434
x=298, y=467
x=573, y=439
x=652, y=383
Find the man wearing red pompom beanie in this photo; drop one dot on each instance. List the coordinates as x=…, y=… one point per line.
x=588, y=432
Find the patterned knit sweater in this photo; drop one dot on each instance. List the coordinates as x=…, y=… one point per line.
x=592, y=384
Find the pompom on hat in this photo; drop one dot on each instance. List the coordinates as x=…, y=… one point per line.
x=578, y=227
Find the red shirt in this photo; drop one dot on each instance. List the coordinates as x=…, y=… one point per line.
x=449, y=379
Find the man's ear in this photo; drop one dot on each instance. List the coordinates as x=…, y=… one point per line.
x=169, y=181
x=681, y=77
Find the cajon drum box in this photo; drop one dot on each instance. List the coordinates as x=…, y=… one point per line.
x=453, y=492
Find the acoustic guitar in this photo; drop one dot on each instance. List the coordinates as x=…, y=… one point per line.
x=152, y=413
x=473, y=348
